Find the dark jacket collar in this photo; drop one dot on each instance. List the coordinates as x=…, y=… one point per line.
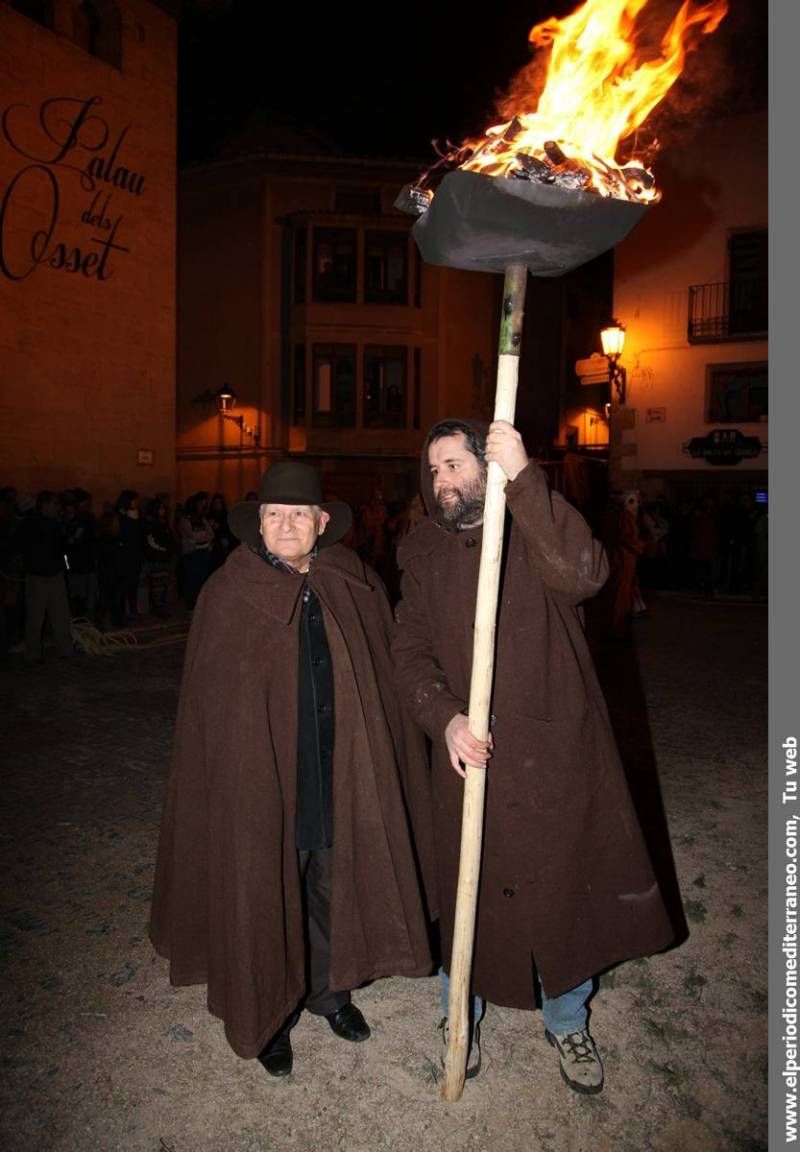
x=276, y=591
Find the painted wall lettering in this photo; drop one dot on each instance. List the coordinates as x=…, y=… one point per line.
x=65, y=142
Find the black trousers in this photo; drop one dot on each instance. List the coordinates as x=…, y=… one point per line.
x=315, y=873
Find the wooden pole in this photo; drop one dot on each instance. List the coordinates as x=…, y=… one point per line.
x=481, y=689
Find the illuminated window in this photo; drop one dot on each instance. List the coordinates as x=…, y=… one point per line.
x=334, y=399
x=385, y=371
x=736, y=393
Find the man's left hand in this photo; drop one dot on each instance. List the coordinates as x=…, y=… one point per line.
x=504, y=446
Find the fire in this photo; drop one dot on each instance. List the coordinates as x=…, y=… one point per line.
x=599, y=88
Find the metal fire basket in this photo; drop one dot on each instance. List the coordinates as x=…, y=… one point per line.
x=485, y=223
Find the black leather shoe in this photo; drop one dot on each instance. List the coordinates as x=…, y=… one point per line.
x=277, y=1056
x=349, y=1024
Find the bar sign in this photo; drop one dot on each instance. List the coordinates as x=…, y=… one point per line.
x=655, y=415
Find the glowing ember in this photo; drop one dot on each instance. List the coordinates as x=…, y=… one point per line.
x=602, y=82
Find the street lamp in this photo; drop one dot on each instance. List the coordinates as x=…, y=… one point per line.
x=226, y=399
x=613, y=341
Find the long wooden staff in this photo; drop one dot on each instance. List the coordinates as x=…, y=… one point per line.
x=481, y=689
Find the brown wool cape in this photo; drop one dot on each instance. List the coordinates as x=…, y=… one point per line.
x=566, y=881
x=227, y=898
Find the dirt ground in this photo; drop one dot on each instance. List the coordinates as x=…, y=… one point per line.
x=100, y=1054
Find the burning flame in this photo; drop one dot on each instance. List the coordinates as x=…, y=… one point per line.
x=599, y=88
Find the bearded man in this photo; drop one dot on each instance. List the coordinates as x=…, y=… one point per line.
x=567, y=888
x=286, y=874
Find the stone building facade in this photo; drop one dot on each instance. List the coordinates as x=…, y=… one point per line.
x=301, y=289
x=87, y=245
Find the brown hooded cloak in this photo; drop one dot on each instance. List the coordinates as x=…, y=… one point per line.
x=566, y=884
x=227, y=907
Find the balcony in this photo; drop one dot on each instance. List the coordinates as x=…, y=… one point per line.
x=734, y=310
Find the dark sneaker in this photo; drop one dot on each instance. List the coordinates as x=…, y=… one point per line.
x=474, y=1054
x=580, y=1063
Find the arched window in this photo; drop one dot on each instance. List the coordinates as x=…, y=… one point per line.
x=97, y=28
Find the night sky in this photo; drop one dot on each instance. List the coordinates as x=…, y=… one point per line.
x=386, y=80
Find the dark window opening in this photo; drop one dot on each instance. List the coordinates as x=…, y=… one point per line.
x=385, y=387
x=299, y=385
x=97, y=28
x=300, y=253
x=334, y=386
x=417, y=389
x=39, y=10
x=748, y=260
x=737, y=393
x=386, y=268
x=335, y=264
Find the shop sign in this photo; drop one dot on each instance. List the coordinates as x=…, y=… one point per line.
x=725, y=446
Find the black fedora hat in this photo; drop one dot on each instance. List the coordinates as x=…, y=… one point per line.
x=289, y=482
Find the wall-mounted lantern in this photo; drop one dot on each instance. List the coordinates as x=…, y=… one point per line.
x=226, y=398
x=613, y=341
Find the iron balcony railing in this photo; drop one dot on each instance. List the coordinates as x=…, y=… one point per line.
x=734, y=310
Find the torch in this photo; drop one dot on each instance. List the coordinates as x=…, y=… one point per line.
x=540, y=194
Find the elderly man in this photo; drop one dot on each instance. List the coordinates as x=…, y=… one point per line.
x=286, y=874
x=566, y=887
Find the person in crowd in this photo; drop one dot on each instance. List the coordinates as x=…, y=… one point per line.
x=704, y=546
x=371, y=531
x=46, y=599
x=679, y=546
x=159, y=548
x=286, y=872
x=567, y=888
x=109, y=568
x=131, y=555
x=196, y=539
x=620, y=600
x=8, y=576
x=727, y=541
x=80, y=528
x=654, y=530
x=224, y=541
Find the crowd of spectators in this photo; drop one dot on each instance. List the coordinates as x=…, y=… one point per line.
x=62, y=560
x=714, y=546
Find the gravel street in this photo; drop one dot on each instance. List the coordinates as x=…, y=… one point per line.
x=100, y=1054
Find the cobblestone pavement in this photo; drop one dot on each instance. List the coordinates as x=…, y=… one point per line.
x=99, y=1053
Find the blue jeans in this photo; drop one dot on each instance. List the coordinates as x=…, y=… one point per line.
x=561, y=1014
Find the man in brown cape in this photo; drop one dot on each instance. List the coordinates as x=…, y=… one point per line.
x=286, y=873
x=567, y=888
